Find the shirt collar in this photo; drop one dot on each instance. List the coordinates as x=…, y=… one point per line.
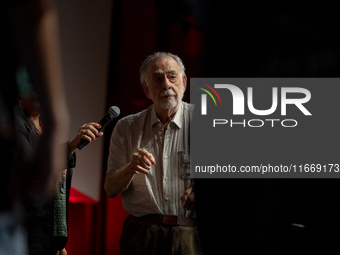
x=178, y=118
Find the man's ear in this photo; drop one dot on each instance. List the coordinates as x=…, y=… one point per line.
x=184, y=78
x=146, y=89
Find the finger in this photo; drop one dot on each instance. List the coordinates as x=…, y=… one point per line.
x=188, y=190
x=143, y=156
x=190, y=202
x=89, y=137
x=145, y=161
x=142, y=170
x=148, y=155
x=142, y=161
x=136, y=168
x=183, y=198
x=89, y=132
x=94, y=127
x=81, y=131
x=91, y=128
x=185, y=201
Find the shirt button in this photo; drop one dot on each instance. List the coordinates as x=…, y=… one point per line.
x=165, y=178
x=165, y=156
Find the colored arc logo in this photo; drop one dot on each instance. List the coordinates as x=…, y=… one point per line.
x=213, y=90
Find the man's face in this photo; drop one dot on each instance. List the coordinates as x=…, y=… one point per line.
x=164, y=83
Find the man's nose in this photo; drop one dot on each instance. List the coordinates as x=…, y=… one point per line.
x=166, y=83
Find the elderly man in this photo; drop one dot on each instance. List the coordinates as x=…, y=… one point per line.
x=148, y=165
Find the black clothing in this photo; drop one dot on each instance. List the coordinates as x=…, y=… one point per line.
x=39, y=212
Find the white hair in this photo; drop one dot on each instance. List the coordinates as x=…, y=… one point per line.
x=146, y=62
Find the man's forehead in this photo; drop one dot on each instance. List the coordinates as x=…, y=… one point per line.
x=163, y=64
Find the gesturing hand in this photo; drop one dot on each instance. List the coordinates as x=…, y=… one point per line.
x=141, y=162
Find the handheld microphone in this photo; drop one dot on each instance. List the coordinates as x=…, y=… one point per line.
x=111, y=114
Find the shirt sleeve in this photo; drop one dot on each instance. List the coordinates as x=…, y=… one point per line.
x=118, y=152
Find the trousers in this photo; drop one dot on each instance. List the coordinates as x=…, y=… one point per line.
x=143, y=236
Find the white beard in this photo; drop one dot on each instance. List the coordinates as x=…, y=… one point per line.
x=171, y=102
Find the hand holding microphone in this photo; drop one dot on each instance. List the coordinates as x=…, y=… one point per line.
x=113, y=112
x=90, y=131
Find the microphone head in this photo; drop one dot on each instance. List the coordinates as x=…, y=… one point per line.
x=114, y=111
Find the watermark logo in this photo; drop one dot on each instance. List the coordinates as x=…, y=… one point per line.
x=240, y=100
x=204, y=97
x=283, y=126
